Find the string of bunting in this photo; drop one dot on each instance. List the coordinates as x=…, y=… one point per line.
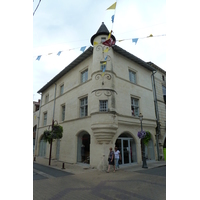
x=134, y=40
x=109, y=42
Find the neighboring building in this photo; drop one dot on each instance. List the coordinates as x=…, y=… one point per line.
x=36, y=107
x=98, y=111
x=160, y=106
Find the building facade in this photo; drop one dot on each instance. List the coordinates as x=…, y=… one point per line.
x=97, y=100
x=159, y=81
x=36, y=107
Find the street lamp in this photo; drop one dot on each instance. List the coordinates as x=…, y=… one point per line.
x=52, y=127
x=144, y=164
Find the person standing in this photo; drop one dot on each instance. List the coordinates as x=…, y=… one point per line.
x=111, y=160
x=117, y=156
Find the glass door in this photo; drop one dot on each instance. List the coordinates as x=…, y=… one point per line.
x=127, y=148
x=126, y=151
x=118, y=144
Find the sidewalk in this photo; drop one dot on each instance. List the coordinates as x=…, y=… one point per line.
x=81, y=168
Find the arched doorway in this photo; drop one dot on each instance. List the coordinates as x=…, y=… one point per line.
x=127, y=146
x=42, y=147
x=83, y=151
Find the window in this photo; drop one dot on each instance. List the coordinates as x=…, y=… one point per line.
x=84, y=76
x=163, y=78
x=132, y=76
x=164, y=90
x=47, y=98
x=83, y=107
x=61, y=89
x=103, y=105
x=103, y=39
x=134, y=107
x=34, y=128
x=37, y=107
x=103, y=65
x=164, y=93
x=63, y=113
x=45, y=119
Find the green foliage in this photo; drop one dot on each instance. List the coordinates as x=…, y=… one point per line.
x=56, y=133
x=147, y=138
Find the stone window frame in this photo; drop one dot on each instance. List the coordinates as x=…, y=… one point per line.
x=130, y=70
x=83, y=106
x=102, y=66
x=135, y=106
x=103, y=105
x=44, y=118
x=63, y=106
x=103, y=39
x=83, y=80
x=61, y=88
x=46, y=98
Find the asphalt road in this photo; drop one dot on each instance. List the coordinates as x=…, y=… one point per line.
x=158, y=171
x=50, y=183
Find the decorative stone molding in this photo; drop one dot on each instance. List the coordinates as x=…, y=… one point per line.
x=102, y=47
x=106, y=75
x=107, y=92
x=104, y=132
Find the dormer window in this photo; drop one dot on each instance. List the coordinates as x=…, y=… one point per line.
x=103, y=65
x=103, y=39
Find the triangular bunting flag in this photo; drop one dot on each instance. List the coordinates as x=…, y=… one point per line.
x=104, y=69
x=150, y=35
x=112, y=19
x=112, y=7
x=95, y=43
x=106, y=50
x=38, y=58
x=110, y=34
x=110, y=42
x=83, y=49
x=135, y=40
x=59, y=53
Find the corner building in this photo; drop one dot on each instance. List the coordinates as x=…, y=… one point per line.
x=99, y=110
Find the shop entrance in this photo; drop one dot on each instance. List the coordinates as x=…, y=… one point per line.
x=127, y=147
x=83, y=151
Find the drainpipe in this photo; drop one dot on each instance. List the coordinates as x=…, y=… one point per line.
x=54, y=101
x=52, y=124
x=38, y=127
x=157, y=113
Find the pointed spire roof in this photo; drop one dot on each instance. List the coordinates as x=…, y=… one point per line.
x=101, y=31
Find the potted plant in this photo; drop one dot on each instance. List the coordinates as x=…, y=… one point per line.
x=56, y=133
x=145, y=136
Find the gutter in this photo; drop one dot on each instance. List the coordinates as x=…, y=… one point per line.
x=156, y=112
x=54, y=101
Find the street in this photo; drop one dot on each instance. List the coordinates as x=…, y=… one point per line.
x=148, y=184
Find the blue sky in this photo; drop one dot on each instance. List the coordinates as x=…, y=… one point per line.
x=62, y=25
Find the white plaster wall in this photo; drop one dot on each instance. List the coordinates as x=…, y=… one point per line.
x=117, y=67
